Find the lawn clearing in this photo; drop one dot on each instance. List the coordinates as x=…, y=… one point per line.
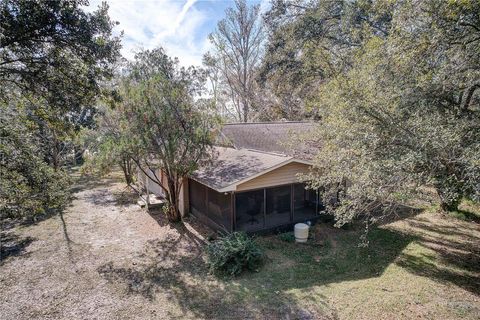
x=113, y=260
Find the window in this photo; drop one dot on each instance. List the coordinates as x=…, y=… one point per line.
x=249, y=210
x=278, y=206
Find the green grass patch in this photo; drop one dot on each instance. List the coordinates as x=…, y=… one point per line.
x=333, y=275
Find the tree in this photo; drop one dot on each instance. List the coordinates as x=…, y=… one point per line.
x=310, y=42
x=173, y=129
x=58, y=54
x=53, y=59
x=405, y=113
x=28, y=185
x=55, y=41
x=238, y=42
x=111, y=144
x=218, y=88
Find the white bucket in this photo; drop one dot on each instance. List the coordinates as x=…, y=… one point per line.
x=301, y=232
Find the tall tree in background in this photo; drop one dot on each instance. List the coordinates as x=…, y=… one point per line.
x=53, y=58
x=238, y=49
x=217, y=86
x=310, y=42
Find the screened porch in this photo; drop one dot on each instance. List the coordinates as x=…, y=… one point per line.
x=272, y=207
x=254, y=210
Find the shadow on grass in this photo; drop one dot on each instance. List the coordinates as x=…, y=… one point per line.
x=106, y=196
x=446, y=253
x=333, y=259
x=428, y=266
x=11, y=245
x=465, y=215
x=174, y=268
x=84, y=182
x=398, y=212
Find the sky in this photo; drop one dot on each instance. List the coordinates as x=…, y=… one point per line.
x=181, y=27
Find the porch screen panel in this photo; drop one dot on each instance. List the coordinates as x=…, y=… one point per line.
x=219, y=209
x=305, y=202
x=197, y=197
x=249, y=210
x=278, y=206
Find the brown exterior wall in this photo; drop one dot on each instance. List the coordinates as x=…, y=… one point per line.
x=283, y=175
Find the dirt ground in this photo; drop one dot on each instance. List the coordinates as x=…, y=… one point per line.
x=102, y=261
x=106, y=258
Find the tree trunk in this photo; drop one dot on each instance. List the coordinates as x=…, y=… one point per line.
x=245, y=112
x=448, y=203
x=78, y=155
x=126, y=166
x=449, y=206
x=173, y=212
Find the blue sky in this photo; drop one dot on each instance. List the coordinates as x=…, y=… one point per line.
x=180, y=26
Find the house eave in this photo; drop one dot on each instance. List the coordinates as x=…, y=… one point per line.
x=233, y=187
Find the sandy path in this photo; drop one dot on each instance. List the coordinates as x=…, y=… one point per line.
x=95, y=265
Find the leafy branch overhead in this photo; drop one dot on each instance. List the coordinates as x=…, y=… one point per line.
x=54, y=59
x=396, y=86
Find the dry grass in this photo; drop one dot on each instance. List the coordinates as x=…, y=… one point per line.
x=109, y=259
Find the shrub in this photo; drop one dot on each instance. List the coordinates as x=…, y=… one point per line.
x=233, y=253
x=287, y=236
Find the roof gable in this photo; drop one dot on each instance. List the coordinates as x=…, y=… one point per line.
x=231, y=167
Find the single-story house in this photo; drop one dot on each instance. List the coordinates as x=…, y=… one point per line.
x=253, y=182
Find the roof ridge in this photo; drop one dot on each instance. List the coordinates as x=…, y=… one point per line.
x=267, y=122
x=267, y=152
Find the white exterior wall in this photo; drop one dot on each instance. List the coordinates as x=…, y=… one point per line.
x=154, y=188
x=148, y=184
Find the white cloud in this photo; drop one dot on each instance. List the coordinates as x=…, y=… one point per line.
x=167, y=23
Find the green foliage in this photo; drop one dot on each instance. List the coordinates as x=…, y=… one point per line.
x=28, y=186
x=111, y=144
x=311, y=41
x=396, y=86
x=233, y=254
x=53, y=58
x=58, y=41
x=169, y=128
x=287, y=237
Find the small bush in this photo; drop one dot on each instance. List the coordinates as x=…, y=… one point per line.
x=287, y=237
x=232, y=254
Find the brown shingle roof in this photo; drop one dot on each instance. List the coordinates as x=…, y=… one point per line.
x=230, y=166
x=250, y=149
x=266, y=136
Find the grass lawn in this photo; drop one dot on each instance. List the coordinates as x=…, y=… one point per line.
x=422, y=266
x=109, y=259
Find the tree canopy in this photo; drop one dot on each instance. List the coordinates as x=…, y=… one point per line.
x=396, y=87
x=160, y=123
x=53, y=59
